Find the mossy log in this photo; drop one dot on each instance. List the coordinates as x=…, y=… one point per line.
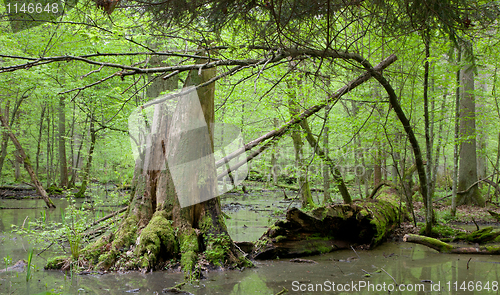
x=329, y=228
x=449, y=248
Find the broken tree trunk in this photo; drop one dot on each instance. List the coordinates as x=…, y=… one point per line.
x=39, y=188
x=329, y=228
x=448, y=248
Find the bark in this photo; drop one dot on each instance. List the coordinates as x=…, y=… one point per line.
x=39, y=188
x=330, y=228
x=468, y=158
x=63, y=165
x=448, y=248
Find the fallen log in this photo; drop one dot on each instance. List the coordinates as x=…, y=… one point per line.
x=329, y=228
x=443, y=247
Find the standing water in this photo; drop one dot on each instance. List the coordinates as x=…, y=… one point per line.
x=392, y=268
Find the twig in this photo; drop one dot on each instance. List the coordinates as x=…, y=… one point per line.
x=390, y=276
x=91, y=72
x=45, y=248
x=340, y=269
x=108, y=216
x=285, y=290
x=355, y=252
x=91, y=84
x=468, y=262
x=24, y=221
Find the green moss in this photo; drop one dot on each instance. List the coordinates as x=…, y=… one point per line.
x=443, y=247
x=92, y=251
x=322, y=248
x=56, y=262
x=127, y=233
x=482, y=236
x=441, y=230
x=493, y=249
x=206, y=224
x=217, y=248
x=189, y=247
x=156, y=236
x=106, y=260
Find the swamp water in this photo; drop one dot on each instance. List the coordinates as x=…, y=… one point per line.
x=416, y=269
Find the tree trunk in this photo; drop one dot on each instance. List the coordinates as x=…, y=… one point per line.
x=326, y=175
x=39, y=141
x=63, y=165
x=302, y=177
x=329, y=228
x=274, y=158
x=5, y=139
x=333, y=169
x=428, y=135
x=157, y=227
x=25, y=159
x=86, y=171
x=448, y=248
x=467, y=174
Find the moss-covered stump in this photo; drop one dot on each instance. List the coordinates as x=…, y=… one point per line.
x=443, y=247
x=329, y=228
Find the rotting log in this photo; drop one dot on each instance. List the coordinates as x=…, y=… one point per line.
x=443, y=247
x=331, y=227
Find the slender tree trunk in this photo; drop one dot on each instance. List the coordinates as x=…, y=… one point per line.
x=467, y=174
x=27, y=165
x=326, y=175
x=482, y=136
x=47, y=165
x=39, y=142
x=274, y=158
x=86, y=170
x=63, y=165
x=337, y=176
x=377, y=168
x=428, y=135
x=302, y=178
x=456, y=139
x=5, y=139
x=393, y=100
